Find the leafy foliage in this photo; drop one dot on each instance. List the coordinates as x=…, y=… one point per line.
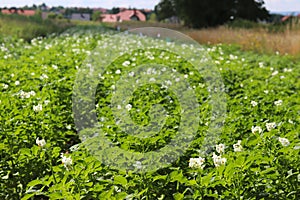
x=208, y=13
x=43, y=73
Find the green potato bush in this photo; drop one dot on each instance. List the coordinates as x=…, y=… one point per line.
x=36, y=84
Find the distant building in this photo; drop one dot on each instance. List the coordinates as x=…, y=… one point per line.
x=147, y=10
x=285, y=18
x=109, y=18
x=289, y=17
x=102, y=10
x=125, y=15
x=81, y=16
x=18, y=11
x=45, y=15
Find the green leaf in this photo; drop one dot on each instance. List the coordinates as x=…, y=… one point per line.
x=34, y=182
x=108, y=194
x=56, y=152
x=28, y=196
x=120, y=180
x=35, y=149
x=121, y=195
x=192, y=182
x=205, y=180
x=2, y=146
x=89, y=184
x=160, y=177
x=56, y=195
x=178, y=196
x=142, y=192
x=177, y=176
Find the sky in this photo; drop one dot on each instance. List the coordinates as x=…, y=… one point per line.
x=271, y=5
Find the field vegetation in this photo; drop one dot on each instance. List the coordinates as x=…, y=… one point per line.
x=283, y=38
x=255, y=157
x=29, y=27
x=47, y=69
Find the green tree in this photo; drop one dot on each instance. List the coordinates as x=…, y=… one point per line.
x=207, y=13
x=166, y=9
x=204, y=13
x=96, y=15
x=52, y=15
x=252, y=10
x=115, y=10
x=153, y=17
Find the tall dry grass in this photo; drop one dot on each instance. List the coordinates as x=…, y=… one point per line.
x=262, y=40
x=259, y=40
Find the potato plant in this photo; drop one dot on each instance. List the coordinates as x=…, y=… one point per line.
x=43, y=157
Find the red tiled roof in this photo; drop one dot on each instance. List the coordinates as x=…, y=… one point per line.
x=109, y=18
x=125, y=15
x=102, y=10
x=20, y=12
x=147, y=10
x=283, y=19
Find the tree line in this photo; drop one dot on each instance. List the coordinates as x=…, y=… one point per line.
x=208, y=13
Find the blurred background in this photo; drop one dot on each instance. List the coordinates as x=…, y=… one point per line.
x=265, y=26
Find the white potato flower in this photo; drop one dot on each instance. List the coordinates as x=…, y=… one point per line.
x=218, y=160
x=270, y=126
x=220, y=148
x=55, y=67
x=254, y=103
x=38, y=108
x=5, y=86
x=152, y=79
x=40, y=143
x=287, y=70
x=197, y=162
x=278, y=103
x=44, y=76
x=67, y=161
x=138, y=165
x=131, y=74
x=126, y=63
x=128, y=107
x=75, y=147
x=255, y=129
x=238, y=147
x=274, y=73
x=32, y=93
x=285, y=142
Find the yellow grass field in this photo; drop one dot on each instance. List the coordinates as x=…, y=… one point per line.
x=287, y=42
x=257, y=39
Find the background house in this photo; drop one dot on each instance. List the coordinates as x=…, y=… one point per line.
x=109, y=18
x=18, y=11
x=81, y=16
x=124, y=15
